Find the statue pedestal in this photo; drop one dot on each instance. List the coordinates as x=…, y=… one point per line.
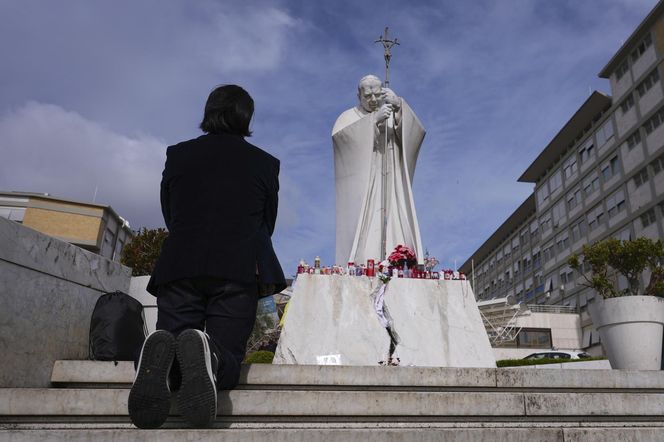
x=332, y=318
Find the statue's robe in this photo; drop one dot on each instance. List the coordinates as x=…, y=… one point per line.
x=358, y=167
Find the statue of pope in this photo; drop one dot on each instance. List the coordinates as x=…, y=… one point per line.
x=359, y=144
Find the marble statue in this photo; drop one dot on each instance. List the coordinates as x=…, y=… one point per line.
x=359, y=148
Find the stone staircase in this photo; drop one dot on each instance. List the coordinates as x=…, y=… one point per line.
x=88, y=401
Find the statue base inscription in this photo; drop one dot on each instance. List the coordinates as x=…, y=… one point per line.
x=336, y=320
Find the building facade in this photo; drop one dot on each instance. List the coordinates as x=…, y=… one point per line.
x=601, y=176
x=90, y=226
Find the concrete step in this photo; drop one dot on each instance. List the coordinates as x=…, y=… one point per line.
x=78, y=374
x=340, y=403
x=37, y=404
x=589, y=434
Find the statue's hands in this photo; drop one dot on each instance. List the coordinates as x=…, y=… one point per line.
x=389, y=97
x=383, y=113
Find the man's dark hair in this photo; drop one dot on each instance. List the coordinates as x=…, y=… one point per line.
x=229, y=109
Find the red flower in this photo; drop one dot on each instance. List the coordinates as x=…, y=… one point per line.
x=402, y=253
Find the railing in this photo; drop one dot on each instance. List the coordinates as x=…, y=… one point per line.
x=542, y=308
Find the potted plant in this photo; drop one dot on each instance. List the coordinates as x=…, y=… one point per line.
x=630, y=321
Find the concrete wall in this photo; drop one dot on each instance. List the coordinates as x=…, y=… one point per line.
x=48, y=289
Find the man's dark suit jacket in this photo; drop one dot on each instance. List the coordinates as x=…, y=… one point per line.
x=219, y=201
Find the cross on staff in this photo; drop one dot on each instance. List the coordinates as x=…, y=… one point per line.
x=387, y=46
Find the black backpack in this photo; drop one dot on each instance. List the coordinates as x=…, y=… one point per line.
x=117, y=328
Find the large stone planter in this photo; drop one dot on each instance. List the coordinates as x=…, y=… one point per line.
x=631, y=329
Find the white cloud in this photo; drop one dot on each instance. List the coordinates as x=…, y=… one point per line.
x=46, y=148
x=243, y=40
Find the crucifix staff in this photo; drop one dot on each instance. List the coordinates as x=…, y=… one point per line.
x=387, y=47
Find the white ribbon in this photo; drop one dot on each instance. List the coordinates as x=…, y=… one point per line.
x=379, y=301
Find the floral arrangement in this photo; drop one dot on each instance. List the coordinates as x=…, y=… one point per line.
x=402, y=254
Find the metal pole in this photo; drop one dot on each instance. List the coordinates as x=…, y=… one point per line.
x=387, y=46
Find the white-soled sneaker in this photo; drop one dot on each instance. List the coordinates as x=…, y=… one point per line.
x=197, y=397
x=150, y=396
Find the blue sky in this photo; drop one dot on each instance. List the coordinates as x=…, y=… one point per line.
x=91, y=93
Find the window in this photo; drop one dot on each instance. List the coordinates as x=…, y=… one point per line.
x=648, y=83
x=658, y=165
x=587, y=151
x=633, y=139
x=591, y=183
x=548, y=252
x=641, y=48
x=654, y=122
x=569, y=167
x=641, y=177
x=539, y=285
x=648, y=218
x=578, y=229
x=118, y=249
x=515, y=244
x=605, y=133
x=524, y=237
x=545, y=221
x=567, y=278
x=529, y=288
x=627, y=104
x=622, y=70
x=555, y=181
x=543, y=194
x=574, y=198
x=537, y=260
x=562, y=241
x=661, y=208
x=558, y=212
x=610, y=168
x=527, y=262
x=534, y=230
x=534, y=337
x=595, y=217
x=615, y=203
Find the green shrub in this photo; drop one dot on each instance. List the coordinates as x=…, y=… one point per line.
x=543, y=361
x=142, y=252
x=259, y=357
x=612, y=257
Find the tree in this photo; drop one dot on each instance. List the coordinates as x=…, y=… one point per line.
x=630, y=258
x=142, y=252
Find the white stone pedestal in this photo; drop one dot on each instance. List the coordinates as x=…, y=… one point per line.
x=437, y=323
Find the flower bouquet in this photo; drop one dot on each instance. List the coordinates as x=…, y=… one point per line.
x=401, y=256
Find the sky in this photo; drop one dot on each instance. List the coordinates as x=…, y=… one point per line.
x=92, y=93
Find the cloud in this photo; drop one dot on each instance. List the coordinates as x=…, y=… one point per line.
x=253, y=40
x=49, y=149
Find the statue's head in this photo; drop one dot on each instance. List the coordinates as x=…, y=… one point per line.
x=370, y=92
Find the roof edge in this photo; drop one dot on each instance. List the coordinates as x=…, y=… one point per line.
x=634, y=37
x=595, y=103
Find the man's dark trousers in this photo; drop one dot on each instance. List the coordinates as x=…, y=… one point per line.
x=225, y=310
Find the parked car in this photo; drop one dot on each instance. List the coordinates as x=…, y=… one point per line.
x=557, y=354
